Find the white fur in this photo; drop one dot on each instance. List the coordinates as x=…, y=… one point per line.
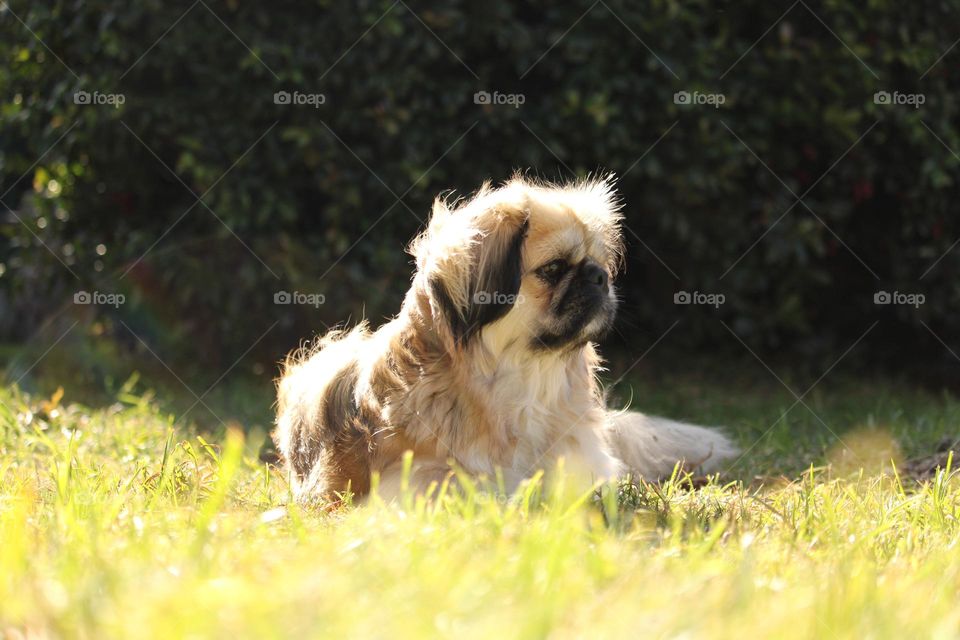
x=650, y=447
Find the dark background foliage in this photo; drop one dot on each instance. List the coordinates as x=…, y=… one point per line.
x=199, y=197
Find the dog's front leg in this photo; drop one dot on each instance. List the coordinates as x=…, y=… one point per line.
x=423, y=473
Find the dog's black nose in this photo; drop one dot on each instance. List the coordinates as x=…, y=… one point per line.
x=595, y=274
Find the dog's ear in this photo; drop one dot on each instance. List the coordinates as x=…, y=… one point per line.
x=471, y=260
x=491, y=287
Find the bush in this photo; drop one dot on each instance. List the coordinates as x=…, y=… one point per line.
x=304, y=196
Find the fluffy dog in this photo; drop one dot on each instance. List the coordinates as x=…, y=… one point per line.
x=490, y=364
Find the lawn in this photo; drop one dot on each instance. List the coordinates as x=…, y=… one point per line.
x=119, y=521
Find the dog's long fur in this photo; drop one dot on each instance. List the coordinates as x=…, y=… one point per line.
x=490, y=363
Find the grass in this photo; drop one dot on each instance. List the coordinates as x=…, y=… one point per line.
x=114, y=522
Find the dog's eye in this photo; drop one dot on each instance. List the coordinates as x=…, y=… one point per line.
x=552, y=271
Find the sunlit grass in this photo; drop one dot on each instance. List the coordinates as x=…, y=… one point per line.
x=115, y=524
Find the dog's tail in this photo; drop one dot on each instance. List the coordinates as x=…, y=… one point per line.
x=650, y=447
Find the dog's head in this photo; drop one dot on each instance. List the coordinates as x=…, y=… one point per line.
x=524, y=264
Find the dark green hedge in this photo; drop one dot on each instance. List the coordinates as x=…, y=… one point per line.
x=399, y=120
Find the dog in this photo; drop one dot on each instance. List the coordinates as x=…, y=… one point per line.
x=490, y=366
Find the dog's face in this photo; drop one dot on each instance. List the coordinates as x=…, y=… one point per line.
x=524, y=265
x=566, y=297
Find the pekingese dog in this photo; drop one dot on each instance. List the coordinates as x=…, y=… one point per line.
x=490, y=365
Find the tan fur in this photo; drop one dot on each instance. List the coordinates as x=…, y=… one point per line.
x=444, y=382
